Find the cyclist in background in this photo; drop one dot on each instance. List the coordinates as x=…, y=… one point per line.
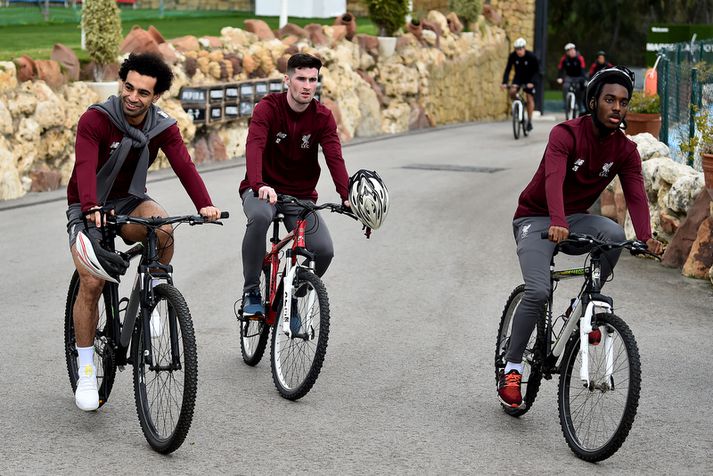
x=117, y=141
x=284, y=136
x=572, y=70
x=527, y=68
x=599, y=64
x=581, y=158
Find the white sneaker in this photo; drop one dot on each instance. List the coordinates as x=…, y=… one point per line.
x=156, y=324
x=87, y=395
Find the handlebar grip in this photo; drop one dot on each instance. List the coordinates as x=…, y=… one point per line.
x=224, y=215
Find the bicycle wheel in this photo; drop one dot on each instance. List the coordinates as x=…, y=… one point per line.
x=254, y=333
x=103, y=352
x=523, y=126
x=297, y=361
x=571, y=110
x=531, y=359
x=596, y=419
x=165, y=390
x=516, y=118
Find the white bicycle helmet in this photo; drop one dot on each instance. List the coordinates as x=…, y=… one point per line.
x=369, y=198
x=519, y=43
x=569, y=46
x=99, y=262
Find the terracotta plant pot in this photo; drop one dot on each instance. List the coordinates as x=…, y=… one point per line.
x=707, y=163
x=636, y=123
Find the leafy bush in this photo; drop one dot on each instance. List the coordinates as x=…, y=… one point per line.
x=101, y=21
x=387, y=15
x=467, y=10
x=644, y=104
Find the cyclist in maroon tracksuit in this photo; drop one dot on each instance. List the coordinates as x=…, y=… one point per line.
x=284, y=135
x=582, y=156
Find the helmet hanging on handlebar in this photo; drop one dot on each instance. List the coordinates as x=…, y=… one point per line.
x=97, y=261
x=369, y=198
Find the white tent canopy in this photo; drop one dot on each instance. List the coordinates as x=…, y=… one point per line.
x=302, y=8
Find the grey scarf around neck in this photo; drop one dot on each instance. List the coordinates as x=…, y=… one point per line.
x=156, y=122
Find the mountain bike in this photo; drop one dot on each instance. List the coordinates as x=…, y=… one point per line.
x=151, y=329
x=517, y=111
x=593, y=351
x=296, y=307
x=571, y=107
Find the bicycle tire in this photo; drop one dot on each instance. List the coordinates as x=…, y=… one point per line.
x=532, y=358
x=254, y=333
x=516, y=119
x=297, y=362
x=571, y=109
x=523, y=125
x=103, y=352
x=163, y=431
x=625, y=387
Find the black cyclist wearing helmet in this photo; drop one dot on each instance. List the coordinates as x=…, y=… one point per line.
x=582, y=157
x=527, y=69
x=599, y=64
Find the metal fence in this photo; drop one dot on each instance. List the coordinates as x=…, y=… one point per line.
x=685, y=86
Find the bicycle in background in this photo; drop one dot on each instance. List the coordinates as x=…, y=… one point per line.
x=151, y=329
x=593, y=350
x=518, y=114
x=296, y=307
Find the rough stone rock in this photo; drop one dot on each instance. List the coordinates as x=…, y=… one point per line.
x=335, y=33
x=186, y=43
x=430, y=37
x=398, y=80
x=174, y=109
x=370, y=110
x=68, y=59
x=454, y=23
x=50, y=112
x=260, y=29
x=369, y=44
x=6, y=123
x=25, y=152
x=210, y=42
x=216, y=147
x=249, y=65
x=25, y=68
x=316, y=34
x=417, y=118
x=415, y=28
x=156, y=35
x=281, y=63
x=700, y=259
x=10, y=183
x=669, y=224
x=77, y=98
x=168, y=52
x=344, y=134
x=28, y=130
x=44, y=179
x=492, y=15
x=55, y=144
x=292, y=29
x=349, y=21
x=234, y=136
x=649, y=170
x=8, y=76
x=139, y=40
x=201, y=151
x=439, y=20
x=649, y=147
x=235, y=39
x=682, y=193
x=680, y=245
x=50, y=72
x=395, y=118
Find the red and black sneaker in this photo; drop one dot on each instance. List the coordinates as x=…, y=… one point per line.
x=509, y=388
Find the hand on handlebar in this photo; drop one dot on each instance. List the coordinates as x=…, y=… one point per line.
x=210, y=213
x=97, y=215
x=267, y=193
x=654, y=246
x=557, y=233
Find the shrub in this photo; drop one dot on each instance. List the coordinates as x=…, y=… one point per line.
x=101, y=21
x=643, y=104
x=467, y=10
x=387, y=15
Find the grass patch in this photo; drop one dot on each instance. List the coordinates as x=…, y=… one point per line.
x=31, y=35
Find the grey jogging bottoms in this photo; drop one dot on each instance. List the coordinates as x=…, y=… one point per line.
x=260, y=214
x=535, y=254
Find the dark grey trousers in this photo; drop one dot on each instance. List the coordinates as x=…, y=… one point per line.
x=535, y=254
x=260, y=214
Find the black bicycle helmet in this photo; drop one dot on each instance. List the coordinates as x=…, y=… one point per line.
x=602, y=53
x=613, y=75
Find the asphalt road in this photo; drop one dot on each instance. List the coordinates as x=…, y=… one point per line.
x=407, y=386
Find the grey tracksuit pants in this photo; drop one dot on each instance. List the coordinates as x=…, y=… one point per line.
x=260, y=214
x=535, y=254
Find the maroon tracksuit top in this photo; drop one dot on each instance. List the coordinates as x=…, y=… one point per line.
x=575, y=169
x=282, y=148
x=95, y=137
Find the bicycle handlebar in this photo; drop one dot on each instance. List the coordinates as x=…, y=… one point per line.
x=155, y=222
x=306, y=204
x=635, y=247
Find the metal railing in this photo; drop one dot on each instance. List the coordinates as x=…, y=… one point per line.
x=685, y=86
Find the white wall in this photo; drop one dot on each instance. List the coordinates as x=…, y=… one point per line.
x=302, y=8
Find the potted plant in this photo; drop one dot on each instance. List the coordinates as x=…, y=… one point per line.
x=388, y=16
x=467, y=10
x=101, y=25
x=704, y=127
x=644, y=114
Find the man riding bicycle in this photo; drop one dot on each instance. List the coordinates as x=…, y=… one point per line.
x=527, y=67
x=285, y=132
x=599, y=64
x=571, y=70
x=117, y=141
x=581, y=158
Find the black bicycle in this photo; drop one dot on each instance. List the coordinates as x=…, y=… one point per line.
x=592, y=350
x=517, y=111
x=162, y=352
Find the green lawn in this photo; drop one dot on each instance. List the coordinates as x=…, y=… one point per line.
x=24, y=32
